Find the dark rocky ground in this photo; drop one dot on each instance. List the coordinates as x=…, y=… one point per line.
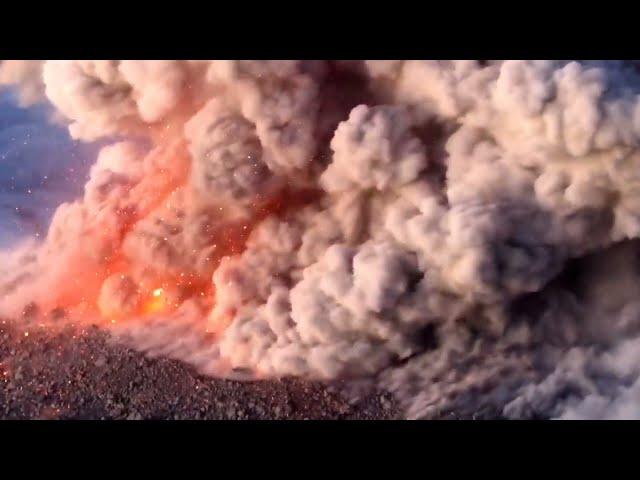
x=80, y=375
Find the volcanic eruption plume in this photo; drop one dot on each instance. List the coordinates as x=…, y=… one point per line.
x=462, y=233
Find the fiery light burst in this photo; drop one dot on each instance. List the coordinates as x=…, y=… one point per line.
x=157, y=303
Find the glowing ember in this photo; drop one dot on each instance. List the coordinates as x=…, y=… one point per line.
x=157, y=303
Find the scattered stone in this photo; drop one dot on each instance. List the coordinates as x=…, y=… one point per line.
x=68, y=375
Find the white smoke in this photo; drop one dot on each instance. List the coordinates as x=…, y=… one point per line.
x=461, y=232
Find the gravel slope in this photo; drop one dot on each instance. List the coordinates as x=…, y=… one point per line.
x=71, y=375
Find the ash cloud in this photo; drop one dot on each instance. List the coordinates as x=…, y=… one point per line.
x=463, y=233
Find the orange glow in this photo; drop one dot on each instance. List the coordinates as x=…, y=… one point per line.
x=156, y=303
x=165, y=291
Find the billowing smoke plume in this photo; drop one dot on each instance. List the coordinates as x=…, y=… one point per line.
x=463, y=233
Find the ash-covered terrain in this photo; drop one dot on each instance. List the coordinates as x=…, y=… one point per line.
x=83, y=376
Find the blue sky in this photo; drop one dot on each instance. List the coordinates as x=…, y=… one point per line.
x=40, y=167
